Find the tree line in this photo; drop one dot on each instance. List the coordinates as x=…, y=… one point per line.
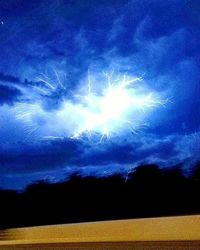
x=147, y=191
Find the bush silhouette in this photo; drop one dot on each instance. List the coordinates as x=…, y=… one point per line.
x=147, y=191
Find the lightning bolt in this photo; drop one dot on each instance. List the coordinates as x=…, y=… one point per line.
x=117, y=103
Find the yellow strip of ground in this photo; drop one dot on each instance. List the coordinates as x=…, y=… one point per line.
x=183, y=228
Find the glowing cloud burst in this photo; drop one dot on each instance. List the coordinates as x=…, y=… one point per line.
x=118, y=104
x=104, y=107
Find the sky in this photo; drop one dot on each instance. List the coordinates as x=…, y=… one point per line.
x=97, y=87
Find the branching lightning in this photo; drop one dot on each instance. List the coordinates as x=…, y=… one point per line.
x=119, y=102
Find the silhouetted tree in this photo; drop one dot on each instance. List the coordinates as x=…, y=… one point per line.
x=147, y=191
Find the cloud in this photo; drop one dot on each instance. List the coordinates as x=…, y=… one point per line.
x=8, y=78
x=60, y=153
x=38, y=157
x=8, y=95
x=157, y=40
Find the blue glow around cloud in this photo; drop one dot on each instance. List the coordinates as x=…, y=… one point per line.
x=97, y=86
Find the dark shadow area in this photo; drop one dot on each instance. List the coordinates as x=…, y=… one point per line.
x=147, y=191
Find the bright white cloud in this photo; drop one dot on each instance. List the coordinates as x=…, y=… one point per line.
x=106, y=104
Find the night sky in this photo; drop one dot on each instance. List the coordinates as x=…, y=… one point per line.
x=97, y=87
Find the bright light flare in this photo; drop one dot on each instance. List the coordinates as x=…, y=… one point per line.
x=116, y=102
x=114, y=106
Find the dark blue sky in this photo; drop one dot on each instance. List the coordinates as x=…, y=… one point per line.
x=58, y=113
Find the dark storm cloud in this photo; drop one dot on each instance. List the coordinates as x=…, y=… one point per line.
x=8, y=78
x=38, y=157
x=149, y=148
x=55, y=25
x=8, y=95
x=58, y=153
x=150, y=35
x=158, y=40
